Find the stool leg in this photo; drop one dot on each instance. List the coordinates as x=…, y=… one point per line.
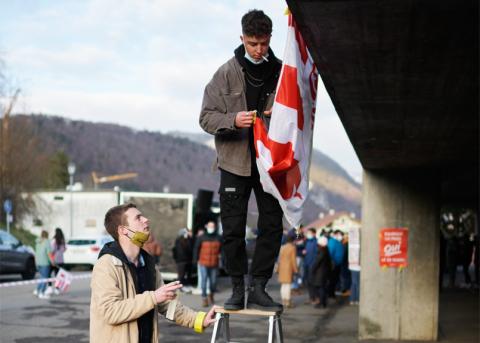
x=278, y=330
x=218, y=318
x=226, y=330
x=271, y=323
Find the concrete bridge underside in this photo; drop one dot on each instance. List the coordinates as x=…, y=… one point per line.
x=403, y=77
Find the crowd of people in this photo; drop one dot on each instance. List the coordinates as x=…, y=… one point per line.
x=200, y=255
x=459, y=247
x=316, y=261
x=322, y=264
x=203, y=255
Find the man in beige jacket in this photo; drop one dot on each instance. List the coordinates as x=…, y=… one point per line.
x=127, y=289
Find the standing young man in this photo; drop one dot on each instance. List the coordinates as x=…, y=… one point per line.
x=245, y=84
x=127, y=289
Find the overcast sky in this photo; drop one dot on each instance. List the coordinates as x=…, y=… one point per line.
x=140, y=63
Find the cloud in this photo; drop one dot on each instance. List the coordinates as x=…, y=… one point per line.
x=140, y=63
x=132, y=109
x=74, y=56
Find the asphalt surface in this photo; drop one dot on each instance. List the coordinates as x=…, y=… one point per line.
x=25, y=318
x=65, y=318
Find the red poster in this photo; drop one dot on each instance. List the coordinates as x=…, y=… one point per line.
x=393, y=247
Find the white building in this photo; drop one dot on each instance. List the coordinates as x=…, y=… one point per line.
x=77, y=213
x=342, y=221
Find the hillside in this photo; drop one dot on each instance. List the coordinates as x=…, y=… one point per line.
x=160, y=160
x=332, y=186
x=170, y=160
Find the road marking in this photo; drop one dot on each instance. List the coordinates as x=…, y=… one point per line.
x=35, y=281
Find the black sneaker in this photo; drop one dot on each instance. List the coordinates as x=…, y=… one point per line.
x=259, y=299
x=237, y=300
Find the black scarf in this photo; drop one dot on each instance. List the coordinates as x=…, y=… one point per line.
x=260, y=79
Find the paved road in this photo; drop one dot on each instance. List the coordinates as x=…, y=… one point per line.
x=25, y=318
x=65, y=318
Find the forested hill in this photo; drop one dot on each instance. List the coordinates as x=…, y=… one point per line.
x=167, y=160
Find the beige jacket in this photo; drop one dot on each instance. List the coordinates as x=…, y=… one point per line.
x=287, y=263
x=113, y=314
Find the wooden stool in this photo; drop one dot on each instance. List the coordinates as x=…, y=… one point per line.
x=223, y=319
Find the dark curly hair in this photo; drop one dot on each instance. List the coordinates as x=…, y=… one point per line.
x=256, y=23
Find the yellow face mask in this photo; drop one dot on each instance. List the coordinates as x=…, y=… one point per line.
x=139, y=238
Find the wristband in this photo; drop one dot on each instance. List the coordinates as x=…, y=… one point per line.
x=198, y=326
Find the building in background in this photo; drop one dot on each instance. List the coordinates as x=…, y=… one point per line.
x=343, y=221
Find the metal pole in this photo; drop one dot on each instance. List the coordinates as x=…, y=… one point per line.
x=271, y=323
x=216, y=327
x=7, y=217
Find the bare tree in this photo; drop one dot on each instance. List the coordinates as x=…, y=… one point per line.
x=23, y=166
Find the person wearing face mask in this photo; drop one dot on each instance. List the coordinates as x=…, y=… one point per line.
x=240, y=89
x=320, y=271
x=310, y=253
x=207, y=255
x=337, y=252
x=127, y=290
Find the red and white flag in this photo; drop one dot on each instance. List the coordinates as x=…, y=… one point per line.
x=284, y=150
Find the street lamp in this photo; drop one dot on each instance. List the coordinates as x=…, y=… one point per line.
x=71, y=172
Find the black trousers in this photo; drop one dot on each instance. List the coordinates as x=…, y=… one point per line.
x=312, y=292
x=321, y=293
x=333, y=282
x=234, y=195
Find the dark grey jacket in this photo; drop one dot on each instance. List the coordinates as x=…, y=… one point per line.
x=319, y=272
x=223, y=98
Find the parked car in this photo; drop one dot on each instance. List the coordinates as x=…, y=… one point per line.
x=16, y=258
x=84, y=250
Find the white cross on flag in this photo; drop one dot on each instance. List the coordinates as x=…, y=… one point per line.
x=283, y=151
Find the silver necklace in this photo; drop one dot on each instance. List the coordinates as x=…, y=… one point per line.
x=253, y=81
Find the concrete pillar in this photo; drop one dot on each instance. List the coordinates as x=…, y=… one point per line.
x=400, y=304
